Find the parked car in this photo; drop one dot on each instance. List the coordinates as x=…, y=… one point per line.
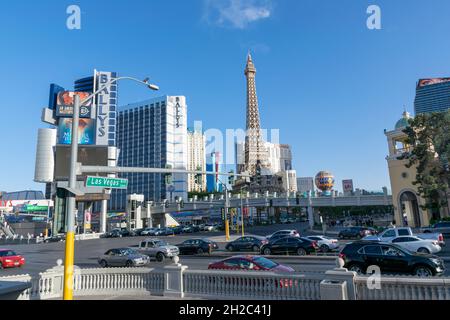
x=10, y=259
x=187, y=229
x=148, y=232
x=166, y=232
x=138, y=232
x=325, y=244
x=123, y=257
x=290, y=245
x=293, y=233
x=116, y=233
x=247, y=243
x=355, y=233
x=177, y=229
x=158, y=249
x=209, y=227
x=440, y=227
x=55, y=238
x=391, y=258
x=391, y=233
x=255, y=263
x=197, y=246
x=416, y=244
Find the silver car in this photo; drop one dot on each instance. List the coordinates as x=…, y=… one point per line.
x=123, y=257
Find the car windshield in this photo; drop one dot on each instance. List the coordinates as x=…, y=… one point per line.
x=160, y=243
x=127, y=252
x=265, y=263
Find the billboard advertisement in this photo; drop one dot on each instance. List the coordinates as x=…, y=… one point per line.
x=347, y=185
x=86, y=131
x=64, y=104
x=429, y=82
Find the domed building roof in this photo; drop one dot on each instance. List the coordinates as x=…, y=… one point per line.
x=403, y=122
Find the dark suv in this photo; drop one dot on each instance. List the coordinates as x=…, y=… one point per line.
x=355, y=233
x=390, y=258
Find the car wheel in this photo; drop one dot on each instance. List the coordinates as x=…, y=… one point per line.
x=230, y=248
x=423, y=250
x=356, y=268
x=199, y=251
x=103, y=264
x=324, y=248
x=267, y=252
x=301, y=252
x=423, y=271
x=256, y=248
x=129, y=264
x=160, y=257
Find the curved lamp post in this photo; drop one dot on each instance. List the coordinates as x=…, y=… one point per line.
x=70, y=233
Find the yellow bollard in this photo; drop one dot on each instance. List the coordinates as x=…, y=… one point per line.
x=68, y=266
x=227, y=230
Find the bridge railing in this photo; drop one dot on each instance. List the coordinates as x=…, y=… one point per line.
x=175, y=280
x=403, y=288
x=251, y=285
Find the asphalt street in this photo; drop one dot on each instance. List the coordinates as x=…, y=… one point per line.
x=40, y=257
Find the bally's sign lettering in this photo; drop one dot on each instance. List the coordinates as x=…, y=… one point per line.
x=103, y=108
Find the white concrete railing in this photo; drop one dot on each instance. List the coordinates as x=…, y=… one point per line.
x=403, y=288
x=94, y=282
x=251, y=285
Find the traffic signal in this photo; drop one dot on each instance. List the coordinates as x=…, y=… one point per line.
x=231, y=177
x=168, y=176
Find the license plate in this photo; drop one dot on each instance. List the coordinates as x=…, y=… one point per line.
x=16, y=263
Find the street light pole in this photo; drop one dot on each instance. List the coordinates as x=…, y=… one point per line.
x=70, y=233
x=71, y=200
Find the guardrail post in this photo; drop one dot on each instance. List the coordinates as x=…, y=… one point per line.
x=173, y=279
x=332, y=288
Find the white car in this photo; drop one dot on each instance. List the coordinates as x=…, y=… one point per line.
x=290, y=233
x=325, y=244
x=416, y=244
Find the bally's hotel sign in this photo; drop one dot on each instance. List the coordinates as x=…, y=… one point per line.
x=106, y=103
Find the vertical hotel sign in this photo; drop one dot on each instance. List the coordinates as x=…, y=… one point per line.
x=105, y=133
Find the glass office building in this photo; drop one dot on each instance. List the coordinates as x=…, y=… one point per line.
x=432, y=95
x=152, y=134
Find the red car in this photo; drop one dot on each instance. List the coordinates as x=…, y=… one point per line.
x=10, y=259
x=255, y=263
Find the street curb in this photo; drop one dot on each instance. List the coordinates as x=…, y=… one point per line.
x=231, y=254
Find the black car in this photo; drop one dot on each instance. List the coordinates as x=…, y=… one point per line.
x=55, y=238
x=290, y=245
x=277, y=237
x=197, y=246
x=177, y=229
x=119, y=233
x=391, y=258
x=167, y=231
x=355, y=233
x=247, y=243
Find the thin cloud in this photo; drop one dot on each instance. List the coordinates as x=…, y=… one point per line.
x=236, y=13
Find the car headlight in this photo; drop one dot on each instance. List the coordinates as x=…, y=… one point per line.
x=435, y=261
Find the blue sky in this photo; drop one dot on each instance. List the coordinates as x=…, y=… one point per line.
x=324, y=79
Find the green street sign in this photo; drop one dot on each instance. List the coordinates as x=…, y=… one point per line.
x=113, y=183
x=32, y=208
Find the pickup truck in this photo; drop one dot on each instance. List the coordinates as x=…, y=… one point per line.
x=158, y=249
x=391, y=233
x=440, y=227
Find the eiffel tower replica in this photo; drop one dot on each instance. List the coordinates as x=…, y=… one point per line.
x=256, y=157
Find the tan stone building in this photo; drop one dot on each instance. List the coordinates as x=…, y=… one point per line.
x=407, y=202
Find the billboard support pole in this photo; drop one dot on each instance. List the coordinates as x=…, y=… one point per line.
x=70, y=235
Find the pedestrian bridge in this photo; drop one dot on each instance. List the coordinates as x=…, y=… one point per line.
x=267, y=200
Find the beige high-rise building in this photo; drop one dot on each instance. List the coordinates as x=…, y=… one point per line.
x=196, y=160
